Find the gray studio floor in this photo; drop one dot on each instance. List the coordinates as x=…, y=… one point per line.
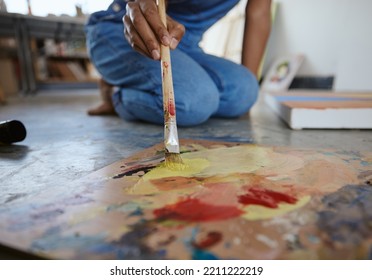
x=64, y=143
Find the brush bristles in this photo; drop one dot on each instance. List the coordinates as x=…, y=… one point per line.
x=174, y=161
x=173, y=158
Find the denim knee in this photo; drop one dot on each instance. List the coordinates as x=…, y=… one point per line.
x=192, y=107
x=241, y=96
x=199, y=108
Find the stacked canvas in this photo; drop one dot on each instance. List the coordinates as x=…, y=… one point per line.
x=322, y=109
x=313, y=109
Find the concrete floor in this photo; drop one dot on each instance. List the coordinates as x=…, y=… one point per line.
x=64, y=144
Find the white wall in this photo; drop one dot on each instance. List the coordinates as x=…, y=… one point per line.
x=334, y=35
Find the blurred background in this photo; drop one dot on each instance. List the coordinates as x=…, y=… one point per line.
x=58, y=7
x=42, y=47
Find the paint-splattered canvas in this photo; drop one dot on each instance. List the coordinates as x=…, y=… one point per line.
x=230, y=201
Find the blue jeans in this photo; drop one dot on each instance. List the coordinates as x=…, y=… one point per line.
x=204, y=85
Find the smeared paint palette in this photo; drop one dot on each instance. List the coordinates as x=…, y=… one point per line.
x=231, y=201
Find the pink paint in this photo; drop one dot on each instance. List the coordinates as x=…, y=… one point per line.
x=192, y=210
x=264, y=197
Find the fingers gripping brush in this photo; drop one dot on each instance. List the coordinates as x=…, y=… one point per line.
x=172, y=147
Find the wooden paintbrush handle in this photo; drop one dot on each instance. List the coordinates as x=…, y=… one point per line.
x=162, y=12
x=171, y=142
x=166, y=69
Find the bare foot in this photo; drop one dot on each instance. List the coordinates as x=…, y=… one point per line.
x=106, y=107
x=102, y=109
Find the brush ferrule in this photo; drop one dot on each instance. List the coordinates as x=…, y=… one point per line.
x=171, y=137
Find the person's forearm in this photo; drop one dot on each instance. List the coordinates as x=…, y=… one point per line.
x=256, y=33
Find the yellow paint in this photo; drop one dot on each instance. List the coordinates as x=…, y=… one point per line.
x=220, y=161
x=191, y=168
x=206, y=163
x=256, y=212
x=175, y=166
x=239, y=159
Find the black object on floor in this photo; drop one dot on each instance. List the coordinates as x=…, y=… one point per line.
x=12, y=131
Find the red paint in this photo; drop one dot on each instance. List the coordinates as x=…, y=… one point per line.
x=211, y=239
x=171, y=109
x=264, y=197
x=192, y=210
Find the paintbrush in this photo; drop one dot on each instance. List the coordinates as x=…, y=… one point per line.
x=172, y=147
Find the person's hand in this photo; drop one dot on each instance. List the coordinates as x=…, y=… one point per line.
x=144, y=30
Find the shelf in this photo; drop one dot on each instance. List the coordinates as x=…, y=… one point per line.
x=68, y=35
x=67, y=85
x=67, y=57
